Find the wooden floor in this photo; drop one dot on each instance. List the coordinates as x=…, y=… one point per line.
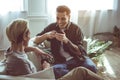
x=111, y=62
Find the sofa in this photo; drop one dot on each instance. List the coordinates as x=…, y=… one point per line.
x=41, y=74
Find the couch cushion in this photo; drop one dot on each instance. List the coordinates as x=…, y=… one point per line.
x=43, y=74
x=35, y=59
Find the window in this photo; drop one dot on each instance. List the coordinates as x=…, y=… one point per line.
x=83, y=4
x=10, y=5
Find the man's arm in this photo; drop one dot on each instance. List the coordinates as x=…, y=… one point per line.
x=40, y=39
x=73, y=48
x=47, y=35
x=37, y=51
x=76, y=46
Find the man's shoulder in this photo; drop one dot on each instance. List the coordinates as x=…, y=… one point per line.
x=74, y=24
x=51, y=26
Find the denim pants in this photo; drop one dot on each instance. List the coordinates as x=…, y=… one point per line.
x=89, y=64
x=62, y=69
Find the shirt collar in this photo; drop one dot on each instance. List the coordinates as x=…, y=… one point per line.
x=67, y=26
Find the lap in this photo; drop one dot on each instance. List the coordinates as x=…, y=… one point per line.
x=88, y=63
x=62, y=69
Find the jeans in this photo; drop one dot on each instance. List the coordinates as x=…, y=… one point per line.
x=60, y=70
x=89, y=64
x=64, y=68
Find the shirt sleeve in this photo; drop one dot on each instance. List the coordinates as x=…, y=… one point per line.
x=80, y=38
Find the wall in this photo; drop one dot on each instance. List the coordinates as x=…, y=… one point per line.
x=37, y=16
x=35, y=12
x=4, y=21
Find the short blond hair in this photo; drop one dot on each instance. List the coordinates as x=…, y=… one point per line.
x=16, y=29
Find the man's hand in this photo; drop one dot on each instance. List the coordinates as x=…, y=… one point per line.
x=61, y=37
x=51, y=34
x=41, y=52
x=37, y=51
x=45, y=65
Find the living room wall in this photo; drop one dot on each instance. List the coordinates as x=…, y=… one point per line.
x=38, y=18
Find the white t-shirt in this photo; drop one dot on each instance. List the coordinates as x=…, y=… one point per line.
x=64, y=53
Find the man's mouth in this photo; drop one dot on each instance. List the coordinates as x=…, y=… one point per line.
x=61, y=24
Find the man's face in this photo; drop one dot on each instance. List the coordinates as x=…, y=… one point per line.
x=62, y=19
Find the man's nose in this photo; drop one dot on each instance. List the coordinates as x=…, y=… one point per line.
x=59, y=21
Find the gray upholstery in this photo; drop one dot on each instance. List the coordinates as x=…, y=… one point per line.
x=42, y=74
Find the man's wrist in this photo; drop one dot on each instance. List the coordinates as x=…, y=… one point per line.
x=66, y=41
x=46, y=36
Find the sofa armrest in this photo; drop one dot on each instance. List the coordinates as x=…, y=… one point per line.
x=2, y=68
x=36, y=60
x=7, y=77
x=43, y=74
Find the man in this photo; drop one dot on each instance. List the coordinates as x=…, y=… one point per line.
x=66, y=41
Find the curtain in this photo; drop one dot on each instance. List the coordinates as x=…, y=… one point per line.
x=13, y=10
x=97, y=21
x=92, y=16
x=4, y=21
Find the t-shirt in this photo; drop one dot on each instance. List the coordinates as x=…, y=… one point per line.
x=17, y=63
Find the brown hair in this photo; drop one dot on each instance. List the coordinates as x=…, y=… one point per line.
x=16, y=29
x=63, y=8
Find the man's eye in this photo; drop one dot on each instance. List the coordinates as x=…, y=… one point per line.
x=61, y=18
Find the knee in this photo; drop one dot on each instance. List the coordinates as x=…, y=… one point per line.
x=60, y=70
x=90, y=65
x=93, y=68
x=80, y=70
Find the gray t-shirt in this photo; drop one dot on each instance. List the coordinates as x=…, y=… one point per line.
x=17, y=63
